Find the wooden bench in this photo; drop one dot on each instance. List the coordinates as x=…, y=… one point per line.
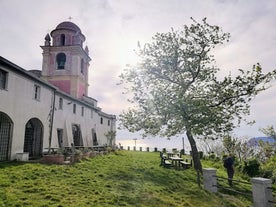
x=164, y=161
x=186, y=164
x=167, y=163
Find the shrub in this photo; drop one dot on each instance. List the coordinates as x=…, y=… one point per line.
x=251, y=168
x=269, y=170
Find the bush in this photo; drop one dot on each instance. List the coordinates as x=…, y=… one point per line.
x=269, y=170
x=251, y=168
x=212, y=156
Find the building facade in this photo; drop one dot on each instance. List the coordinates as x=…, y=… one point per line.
x=51, y=108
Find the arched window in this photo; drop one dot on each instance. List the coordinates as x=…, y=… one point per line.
x=62, y=39
x=61, y=59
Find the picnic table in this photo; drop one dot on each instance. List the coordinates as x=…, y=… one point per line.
x=176, y=161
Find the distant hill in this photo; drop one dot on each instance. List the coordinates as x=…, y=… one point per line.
x=254, y=141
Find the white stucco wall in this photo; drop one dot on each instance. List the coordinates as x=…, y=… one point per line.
x=19, y=104
x=64, y=119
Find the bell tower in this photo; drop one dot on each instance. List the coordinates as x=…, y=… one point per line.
x=65, y=61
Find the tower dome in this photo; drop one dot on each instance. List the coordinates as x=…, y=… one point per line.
x=68, y=25
x=67, y=33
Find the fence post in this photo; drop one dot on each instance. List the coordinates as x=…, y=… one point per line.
x=210, y=179
x=262, y=193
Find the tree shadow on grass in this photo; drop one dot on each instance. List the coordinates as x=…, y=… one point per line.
x=5, y=164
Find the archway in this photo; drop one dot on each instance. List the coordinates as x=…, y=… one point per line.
x=94, y=137
x=5, y=136
x=77, y=138
x=33, y=138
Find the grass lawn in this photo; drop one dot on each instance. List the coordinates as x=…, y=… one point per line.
x=124, y=178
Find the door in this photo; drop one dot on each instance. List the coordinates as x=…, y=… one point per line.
x=5, y=136
x=33, y=138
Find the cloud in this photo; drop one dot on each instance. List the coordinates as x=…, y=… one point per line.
x=113, y=27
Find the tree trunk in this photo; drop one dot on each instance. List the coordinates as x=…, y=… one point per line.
x=195, y=154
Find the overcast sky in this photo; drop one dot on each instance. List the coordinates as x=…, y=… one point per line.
x=113, y=27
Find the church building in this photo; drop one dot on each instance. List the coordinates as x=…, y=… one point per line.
x=50, y=108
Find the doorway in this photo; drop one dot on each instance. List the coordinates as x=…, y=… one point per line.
x=77, y=138
x=5, y=136
x=33, y=138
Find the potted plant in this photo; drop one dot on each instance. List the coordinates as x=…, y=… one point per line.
x=56, y=157
x=76, y=155
x=86, y=153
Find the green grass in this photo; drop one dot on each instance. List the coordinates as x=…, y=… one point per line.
x=122, y=179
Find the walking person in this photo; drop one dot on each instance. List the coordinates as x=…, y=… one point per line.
x=228, y=163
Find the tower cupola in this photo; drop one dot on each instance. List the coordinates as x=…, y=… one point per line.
x=67, y=33
x=65, y=61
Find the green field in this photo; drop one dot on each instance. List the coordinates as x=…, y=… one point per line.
x=124, y=178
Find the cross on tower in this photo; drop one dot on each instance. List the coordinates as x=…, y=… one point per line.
x=70, y=18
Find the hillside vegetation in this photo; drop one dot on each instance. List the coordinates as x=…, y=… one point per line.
x=124, y=178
